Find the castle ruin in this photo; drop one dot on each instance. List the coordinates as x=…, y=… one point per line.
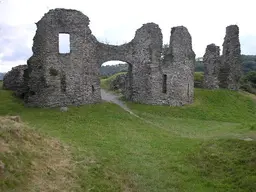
x=58, y=79
x=230, y=68
x=224, y=71
x=211, y=62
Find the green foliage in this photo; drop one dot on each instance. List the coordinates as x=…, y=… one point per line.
x=199, y=76
x=248, y=82
x=251, y=76
x=248, y=63
x=109, y=70
x=199, y=66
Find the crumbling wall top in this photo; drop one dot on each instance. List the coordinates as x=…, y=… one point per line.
x=65, y=17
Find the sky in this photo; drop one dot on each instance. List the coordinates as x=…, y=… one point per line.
x=115, y=22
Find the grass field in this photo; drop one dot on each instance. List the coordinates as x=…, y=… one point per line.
x=200, y=147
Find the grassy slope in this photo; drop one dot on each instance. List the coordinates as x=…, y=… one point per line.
x=192, y=148
x=105, y=83
x=199, y=76
x=31, y=161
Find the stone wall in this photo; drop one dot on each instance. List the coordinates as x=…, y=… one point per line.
x=230, y=70
x=179, y=65
x=55, y=79
x=14, y=81
x=143, y=57
x=211, y=62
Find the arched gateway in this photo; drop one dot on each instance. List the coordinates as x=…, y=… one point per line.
x=56, y=79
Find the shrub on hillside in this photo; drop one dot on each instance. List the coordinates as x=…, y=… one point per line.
x=248, y=82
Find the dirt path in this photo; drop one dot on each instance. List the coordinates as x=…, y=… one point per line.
x=110, y=97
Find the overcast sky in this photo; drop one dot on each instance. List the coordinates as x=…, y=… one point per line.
x=116, y=21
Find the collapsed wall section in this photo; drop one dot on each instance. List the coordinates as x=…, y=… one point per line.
x=230, y=70
x=14, y=81
x=211, y=62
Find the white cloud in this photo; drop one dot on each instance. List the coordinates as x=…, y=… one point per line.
x=6, y=66
x=116, y=21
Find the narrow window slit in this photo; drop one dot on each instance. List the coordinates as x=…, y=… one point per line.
x=164, y=83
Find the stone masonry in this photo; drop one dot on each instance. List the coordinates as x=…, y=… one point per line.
x=178, y=69
x=230, y=70
x=54, y=79
x=211, y=62
x=13, y=80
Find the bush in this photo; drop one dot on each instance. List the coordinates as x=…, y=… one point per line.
x=248, y=82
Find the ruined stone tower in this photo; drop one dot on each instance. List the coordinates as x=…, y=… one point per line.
x=58, y=79
x=179, y=65
x=211, y=62
x=230, y=69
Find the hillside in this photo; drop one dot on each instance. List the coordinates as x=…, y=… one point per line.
x=207, y=146
x=30, y=161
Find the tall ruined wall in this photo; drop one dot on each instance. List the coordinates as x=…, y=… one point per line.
x=57, y=79
x=230, y=70
x=179, y=65
x=211, y=62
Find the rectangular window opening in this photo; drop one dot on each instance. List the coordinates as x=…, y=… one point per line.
x=64, y=43
x=164, y=83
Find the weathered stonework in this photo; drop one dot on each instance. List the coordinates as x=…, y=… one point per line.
x=211, y=62
x=55, y=79
x=13, y=80
x=230, y=70
x=179, y=65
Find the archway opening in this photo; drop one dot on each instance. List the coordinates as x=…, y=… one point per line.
x=116, y=76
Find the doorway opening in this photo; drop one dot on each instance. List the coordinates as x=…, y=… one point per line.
x=116, y=76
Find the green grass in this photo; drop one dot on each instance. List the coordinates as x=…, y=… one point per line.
x=199, y=76
x=105, y=83
x=217, y=105
x=190, y=148
x=30, y=160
